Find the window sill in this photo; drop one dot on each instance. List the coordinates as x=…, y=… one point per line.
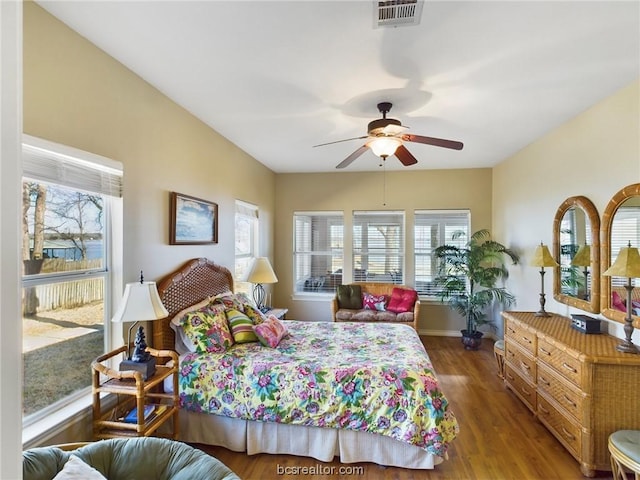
x=313, y=297
x=38, y=432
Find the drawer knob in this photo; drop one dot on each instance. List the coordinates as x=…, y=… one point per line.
x=568, y=434
x=544, y=410
x=525, y=366
x=570, y=402
x=525, y=391
x=546, y=352
x=526, y=339
x=569, y=367
x=545, y=381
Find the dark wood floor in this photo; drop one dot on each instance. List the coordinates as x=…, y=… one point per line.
x=499, y=438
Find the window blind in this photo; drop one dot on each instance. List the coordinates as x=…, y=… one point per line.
x=378, y=246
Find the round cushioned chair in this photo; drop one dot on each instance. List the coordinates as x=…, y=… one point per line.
x=128, y=458
x=624, y=447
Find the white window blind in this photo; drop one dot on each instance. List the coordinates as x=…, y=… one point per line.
x=318, y=251
x=432, y=229
x=85, y=171
x=378, y=246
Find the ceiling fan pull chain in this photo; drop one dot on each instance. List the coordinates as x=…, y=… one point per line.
x=384, y=182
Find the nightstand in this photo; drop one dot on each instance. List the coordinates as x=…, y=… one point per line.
x=279, y=313
x=131, y=391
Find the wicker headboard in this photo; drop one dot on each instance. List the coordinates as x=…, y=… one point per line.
x=194, y=281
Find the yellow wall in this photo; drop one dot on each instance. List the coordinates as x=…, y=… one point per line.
x=76, y=95
x=595, y=155
x=406, y=190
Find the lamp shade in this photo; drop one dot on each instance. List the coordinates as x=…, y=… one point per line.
x=140, y=301
x=627, y=264
x=542, y=257
x=261, y=272
x=385, y=146
x=583, y=257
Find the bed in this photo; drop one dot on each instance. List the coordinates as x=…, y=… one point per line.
x=318, y=393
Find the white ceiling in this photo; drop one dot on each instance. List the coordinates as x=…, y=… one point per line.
x=277, y=77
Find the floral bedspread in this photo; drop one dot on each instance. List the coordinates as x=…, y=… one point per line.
x=373, y=378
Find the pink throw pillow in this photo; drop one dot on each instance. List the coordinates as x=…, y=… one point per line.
x=402, y=300
x=270, y=332
x=374, y=302
x=617, y=302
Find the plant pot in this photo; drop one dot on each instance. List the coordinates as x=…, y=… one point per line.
x=471, y=341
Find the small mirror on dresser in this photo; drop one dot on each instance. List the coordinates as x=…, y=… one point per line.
x=620, y=227
x=576, y=247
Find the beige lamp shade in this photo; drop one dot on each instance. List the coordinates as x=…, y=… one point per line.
x=542, y=257
x=627, y=264
x=261, y=272
x=583, y=257
x=140, y=302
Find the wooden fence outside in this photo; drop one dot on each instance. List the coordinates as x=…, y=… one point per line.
x=72, y=294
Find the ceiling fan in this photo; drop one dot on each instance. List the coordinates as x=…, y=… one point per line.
x=386, y=138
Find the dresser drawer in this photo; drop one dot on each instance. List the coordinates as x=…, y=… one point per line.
x=566, y=365
x=521, y=362
x=565, y=430
x=525, y=391
x=522, y=336
x=563, y=392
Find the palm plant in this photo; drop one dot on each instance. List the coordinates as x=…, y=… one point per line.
x=467, y=277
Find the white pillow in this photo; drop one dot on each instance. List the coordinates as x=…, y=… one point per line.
x=76, y=469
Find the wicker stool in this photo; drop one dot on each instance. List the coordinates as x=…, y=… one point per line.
x=624, y=447
x=498, y=352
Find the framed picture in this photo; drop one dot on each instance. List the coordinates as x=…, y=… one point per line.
x=193, y=221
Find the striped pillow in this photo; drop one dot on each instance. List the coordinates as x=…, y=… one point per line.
x=241, y=326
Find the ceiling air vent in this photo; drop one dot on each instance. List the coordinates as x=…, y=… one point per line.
x=396, y=13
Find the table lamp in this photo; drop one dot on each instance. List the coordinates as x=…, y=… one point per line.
x=582, y=258
x=140, y=302
x=627, y=265
x=542, y=258
x=259, y=273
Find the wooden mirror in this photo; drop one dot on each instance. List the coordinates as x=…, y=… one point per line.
x=620, y=225
x=576, y=247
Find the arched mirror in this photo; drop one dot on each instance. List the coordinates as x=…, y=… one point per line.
x=576, y=248
x=620, y=226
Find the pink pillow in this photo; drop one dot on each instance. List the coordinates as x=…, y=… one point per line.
x=374, y=302
x=402, y=300
x=617, y=302
x=270, y=332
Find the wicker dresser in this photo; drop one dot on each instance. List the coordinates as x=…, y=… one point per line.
x=579, y=386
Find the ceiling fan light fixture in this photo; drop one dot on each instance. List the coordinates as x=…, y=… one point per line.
x=385, y=146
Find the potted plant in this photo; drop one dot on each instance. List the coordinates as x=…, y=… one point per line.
x=467, y=276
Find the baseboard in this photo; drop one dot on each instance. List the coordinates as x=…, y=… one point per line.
x=451, y=333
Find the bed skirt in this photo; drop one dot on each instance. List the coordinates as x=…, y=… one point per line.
x=323, y=444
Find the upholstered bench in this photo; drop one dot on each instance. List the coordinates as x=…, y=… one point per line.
x=376, y=302
x=125, y=459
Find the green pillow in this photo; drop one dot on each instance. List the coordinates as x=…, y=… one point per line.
x=349, y=296
x=241, y=326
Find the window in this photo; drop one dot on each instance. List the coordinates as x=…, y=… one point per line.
x=246, y=240
x=378, y=246
x=432, y=229
x=318, y=251
x=71, y=202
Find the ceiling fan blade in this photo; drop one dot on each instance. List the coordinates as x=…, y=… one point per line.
x=438, y=142
x=340, y=141
x=405, y=156
x=347, y=161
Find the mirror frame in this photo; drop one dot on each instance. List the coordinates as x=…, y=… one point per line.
x=592, y=305
x=618, y=199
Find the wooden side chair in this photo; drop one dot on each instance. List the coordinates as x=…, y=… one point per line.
x=498, y=352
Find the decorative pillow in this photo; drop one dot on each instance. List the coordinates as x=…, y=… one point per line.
x=270, y=332
x=245, y=299
x=76, y=469
x=349, y=296
x=177, y=318
x=229, y=301
x=617, y=302
x=256, y=316
x=374, y=302
x=241, y=326
x=208, y=329
x=402, y=300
